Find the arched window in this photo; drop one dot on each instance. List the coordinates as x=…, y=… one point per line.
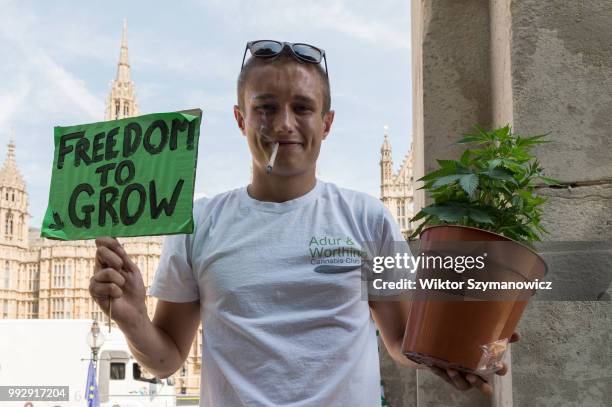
x=59, y=274
x=8, y=225
x=67, y=308
x=7, y=274
x=96, y=312
x=20, y=227
x=57, y=308
x=69, y=275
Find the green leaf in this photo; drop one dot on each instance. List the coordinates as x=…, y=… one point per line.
x=428, y=221
x=418, y=216
x=527, y=141
x=448, y=179
x=512, y=165
x=438, y=173
x=485, y=135
x=517, y=202
x=502, y=133
x=472, y=138
x=446, y=212
x=492, y=164
x=480, y=216
x=450, y=164
x=550, y=181
x=519, y=154
x=491, y=186
x=465, y=158
x=501, y=174
x=469, y=183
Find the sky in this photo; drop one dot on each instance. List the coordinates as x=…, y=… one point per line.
x=59, y=57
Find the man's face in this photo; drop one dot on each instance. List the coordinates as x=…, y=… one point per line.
x=283, y=103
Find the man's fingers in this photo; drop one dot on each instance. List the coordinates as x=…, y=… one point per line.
x=503, y=370
x=101, y=291
x=129, y=263
x=109, y=275
x=484, y=387
x=107, y=241
x=441, y=373
x=458, y=380
x=110, y=253
x=108, y=258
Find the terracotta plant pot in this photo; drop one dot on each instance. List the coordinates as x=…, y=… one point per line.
x=449, y=328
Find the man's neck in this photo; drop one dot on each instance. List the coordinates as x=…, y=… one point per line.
x=275, y=188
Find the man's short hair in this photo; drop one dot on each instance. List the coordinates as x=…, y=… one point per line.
x=285, y=57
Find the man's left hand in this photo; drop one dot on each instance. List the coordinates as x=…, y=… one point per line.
x=465, y=381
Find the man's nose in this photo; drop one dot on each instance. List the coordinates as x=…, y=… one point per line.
x=284, y=121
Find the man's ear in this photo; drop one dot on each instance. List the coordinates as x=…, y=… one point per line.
x=239, y=119
x=328, y=119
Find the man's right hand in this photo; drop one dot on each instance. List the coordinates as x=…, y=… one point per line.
x=116, y=275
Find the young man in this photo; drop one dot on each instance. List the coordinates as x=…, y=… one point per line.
x=283, y=324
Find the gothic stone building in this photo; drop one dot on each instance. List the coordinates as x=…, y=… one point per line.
x=397, y=188
x=42, y=278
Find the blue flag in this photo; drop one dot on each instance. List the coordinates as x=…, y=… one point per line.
x=91, y=391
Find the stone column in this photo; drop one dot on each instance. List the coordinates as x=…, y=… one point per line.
x=451, y=92
x=451, y=78
x=543, y=66
x=554, y=62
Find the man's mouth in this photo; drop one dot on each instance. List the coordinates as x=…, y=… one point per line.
x=287, y=143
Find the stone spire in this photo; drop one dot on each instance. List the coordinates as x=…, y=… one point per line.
x=14, y=215
x=386, y=165
x=121, y=101
x=123, y=69
x=386, y=146
x=9, y=173
x=396, y=189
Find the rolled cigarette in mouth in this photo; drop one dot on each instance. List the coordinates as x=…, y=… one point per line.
x=272, y=158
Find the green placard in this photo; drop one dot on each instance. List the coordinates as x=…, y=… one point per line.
x=128, y=177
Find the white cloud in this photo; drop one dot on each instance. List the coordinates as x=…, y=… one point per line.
x=180, y=62
x=384, y=23
x=57, y=60
x=12, y=98
x=39, y=65
x=339, y=18
x=70, y=86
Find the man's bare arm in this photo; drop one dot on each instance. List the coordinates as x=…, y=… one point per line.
x=390, y=318
x=162, y=345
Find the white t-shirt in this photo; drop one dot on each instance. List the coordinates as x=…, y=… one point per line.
x=284, y=324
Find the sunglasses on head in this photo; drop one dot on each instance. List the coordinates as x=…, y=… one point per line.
x=272, y=49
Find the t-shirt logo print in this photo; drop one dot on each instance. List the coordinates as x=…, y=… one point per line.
x=332, y=255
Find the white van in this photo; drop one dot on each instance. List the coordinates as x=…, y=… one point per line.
x=54, y=352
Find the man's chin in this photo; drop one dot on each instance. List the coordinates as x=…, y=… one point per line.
x=290, y=147
x=285, y=170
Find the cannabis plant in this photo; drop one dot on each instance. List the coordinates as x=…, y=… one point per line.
x=491, y=187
